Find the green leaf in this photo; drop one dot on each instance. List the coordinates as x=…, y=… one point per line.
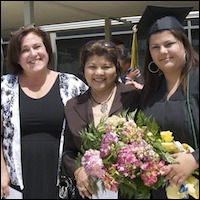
x=134, y=189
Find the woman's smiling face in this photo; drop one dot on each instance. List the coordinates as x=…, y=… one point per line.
x=33, y=55
x=100, y=73
x=167, y=52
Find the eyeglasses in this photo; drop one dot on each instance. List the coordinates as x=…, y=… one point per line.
x=22, y=28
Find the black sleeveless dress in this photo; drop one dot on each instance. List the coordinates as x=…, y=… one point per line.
x=41, y=124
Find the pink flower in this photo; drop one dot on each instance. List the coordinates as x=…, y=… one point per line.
x=92, y=163
x=106, y=144
x=128, y=163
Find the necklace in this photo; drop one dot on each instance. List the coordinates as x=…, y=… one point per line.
x=104, y=105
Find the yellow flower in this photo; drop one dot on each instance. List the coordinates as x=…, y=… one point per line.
x=170, y=147
x=166, y=136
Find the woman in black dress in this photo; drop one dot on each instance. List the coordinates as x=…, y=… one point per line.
x=171, y=91
x=32, y=110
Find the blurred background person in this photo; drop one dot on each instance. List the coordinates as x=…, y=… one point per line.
x=125, y=63
x=128, y=75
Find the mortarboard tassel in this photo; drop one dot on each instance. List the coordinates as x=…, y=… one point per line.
x=134, y=50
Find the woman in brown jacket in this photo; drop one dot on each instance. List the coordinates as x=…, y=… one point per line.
x=105, y=97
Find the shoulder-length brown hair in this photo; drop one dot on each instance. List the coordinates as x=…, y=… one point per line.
x=14, y=47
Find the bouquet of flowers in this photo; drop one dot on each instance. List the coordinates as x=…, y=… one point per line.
x=126, y=155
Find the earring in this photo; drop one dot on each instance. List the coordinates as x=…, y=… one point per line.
x=149, y=68
x=185, y=56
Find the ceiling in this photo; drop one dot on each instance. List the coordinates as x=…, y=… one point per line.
x=55, y=12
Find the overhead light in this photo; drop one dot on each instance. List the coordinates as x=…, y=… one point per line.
x=74, y=25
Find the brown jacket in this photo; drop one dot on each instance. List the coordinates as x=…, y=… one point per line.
x=78, y=112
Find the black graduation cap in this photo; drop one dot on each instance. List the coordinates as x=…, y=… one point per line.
x=157, y=18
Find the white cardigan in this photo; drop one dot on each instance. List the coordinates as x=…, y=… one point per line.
x=70, y=86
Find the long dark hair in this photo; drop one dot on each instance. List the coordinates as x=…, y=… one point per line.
x=153, y=81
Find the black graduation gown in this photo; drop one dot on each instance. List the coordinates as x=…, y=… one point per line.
x=173, y=114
